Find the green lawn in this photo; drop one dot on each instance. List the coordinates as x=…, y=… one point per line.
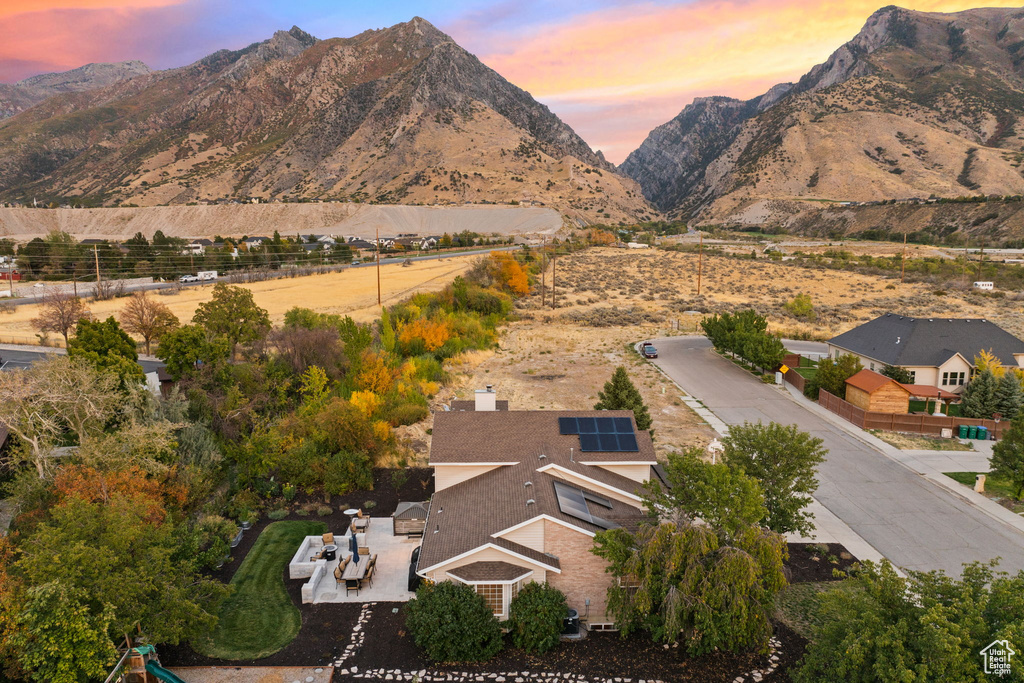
x=996, y=488
x=919, y=407
x=806, y=373
x=797, y=605
x=258, y=618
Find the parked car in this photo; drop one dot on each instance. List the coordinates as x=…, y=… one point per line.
x=648, y=350
x=188, y=278
x=414, y=578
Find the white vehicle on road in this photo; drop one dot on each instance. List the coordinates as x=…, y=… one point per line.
x=188, y=278
x=207, y=274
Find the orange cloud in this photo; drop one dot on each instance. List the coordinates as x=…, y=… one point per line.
x=650, y=53
x=12, y=7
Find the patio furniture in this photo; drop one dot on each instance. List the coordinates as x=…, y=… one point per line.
x=339, y=571
x=364, y=550
x=369, y=575
x=354, y=573
x=361, y=523
x=318, y=556
x=328, y=538
x=329, y=552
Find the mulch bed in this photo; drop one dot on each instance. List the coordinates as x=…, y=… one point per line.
x=808, y=563
x=600, y=654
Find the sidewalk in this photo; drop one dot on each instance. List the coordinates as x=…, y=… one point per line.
x=928, y=464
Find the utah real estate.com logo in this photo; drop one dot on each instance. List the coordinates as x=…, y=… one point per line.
x=997, y=657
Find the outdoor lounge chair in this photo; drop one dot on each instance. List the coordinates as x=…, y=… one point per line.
x=318, y=556
x=328, y=538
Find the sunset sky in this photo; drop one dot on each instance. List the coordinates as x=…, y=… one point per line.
x=611, y=69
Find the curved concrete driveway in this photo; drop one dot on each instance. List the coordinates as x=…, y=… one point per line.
x=911, y=521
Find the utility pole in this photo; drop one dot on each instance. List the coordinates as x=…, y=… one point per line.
x=96, y=254
x=378, y=264
x=543, y=276
x=981, y=258
x=903, y=263
x=74, y=276
x=192, y=261
x=10, y=275
x=553, y=280
x=700, y=261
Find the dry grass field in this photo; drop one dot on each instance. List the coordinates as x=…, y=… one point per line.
x=348, y=292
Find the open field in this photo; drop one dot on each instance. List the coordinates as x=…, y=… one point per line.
x=352, y=291
x=608, y=286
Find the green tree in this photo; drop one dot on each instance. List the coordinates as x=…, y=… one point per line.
x=725, y=498
x=783, y=460
x=387, y=331
x=189, y=347
x=901, y=375
x=620, y=394
x=978, y=399
x=535, y=617
x=1009, y=398
x=122, y=551
x=233, y=313
x=452, y=623
x=926, y=627
x=763, y=350
x=689, y=582
x=832, y=375
x=1007, y=460
x=59, y=639
x=108, y=348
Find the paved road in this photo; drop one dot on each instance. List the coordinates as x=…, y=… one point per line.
x=14, y=359
x=808, y=349
x=913, y=522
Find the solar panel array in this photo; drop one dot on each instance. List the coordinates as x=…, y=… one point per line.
x=573, y=502
x=601, y=434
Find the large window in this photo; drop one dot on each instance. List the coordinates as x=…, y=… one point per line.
x=953, y=379
x=494, y=596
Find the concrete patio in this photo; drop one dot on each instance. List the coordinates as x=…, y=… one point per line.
x=391, y=575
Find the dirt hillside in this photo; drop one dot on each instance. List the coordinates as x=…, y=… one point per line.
x=337, y=218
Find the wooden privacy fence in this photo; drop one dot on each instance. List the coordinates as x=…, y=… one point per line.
x=899, y=422
x=795, y=378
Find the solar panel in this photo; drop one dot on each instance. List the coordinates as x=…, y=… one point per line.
x=568, y=425
x=589, y=442
x=608, y=442
x=627, y=442
x=623, y=425
x=573, y=502
x=606, y=425
x=588, y=425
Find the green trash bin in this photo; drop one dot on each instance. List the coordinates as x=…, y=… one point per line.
x=972, y=432
x=983, y=433
x=963, y=431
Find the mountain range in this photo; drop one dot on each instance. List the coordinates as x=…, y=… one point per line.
x=398, y=115
x=917, y=105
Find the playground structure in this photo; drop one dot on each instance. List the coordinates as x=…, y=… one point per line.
x=140, y=664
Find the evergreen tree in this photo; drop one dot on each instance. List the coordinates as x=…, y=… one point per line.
x=620, y=394
x=1007, y=459
x=387, y=331
x=901, y=375
x=1009, y=397
x=979, y=397
x=832, y=376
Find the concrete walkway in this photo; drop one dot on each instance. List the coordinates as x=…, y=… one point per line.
x=912, y=517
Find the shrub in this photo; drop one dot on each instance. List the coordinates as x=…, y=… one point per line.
x=535, y=617
x=277, y=514
x=452, y=623
x=288, y=491
x=369, y=504
x=324, y=510
x=407, y=414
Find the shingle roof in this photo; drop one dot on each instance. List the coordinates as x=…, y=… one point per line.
x=870, y=381
x=406, y=510
x=471, y=405
x=465, y=516
x=900, y=340
x=488, y=571
x=469, y=436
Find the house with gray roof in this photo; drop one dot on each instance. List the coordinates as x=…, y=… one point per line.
x=938, y=352
x=519, y=496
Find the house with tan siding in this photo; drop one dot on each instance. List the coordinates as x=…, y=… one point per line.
x=520, y=495
x=938, y=352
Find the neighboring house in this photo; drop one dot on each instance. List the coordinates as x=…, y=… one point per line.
x=255, y=242
x=362, y=245
x=521, y=494
x=872, y=391
x=938, y=352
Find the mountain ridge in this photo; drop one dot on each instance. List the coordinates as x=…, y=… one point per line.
x=401, y=114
